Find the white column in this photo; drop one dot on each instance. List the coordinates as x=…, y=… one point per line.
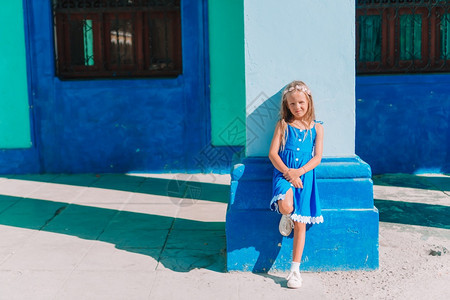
x=312, y=41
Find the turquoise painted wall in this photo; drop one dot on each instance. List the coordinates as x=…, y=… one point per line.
x=227, y=72
x=14, y=104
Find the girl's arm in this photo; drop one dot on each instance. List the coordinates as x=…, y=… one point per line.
x=276, y=159
x=313, y=162
x=274, y=148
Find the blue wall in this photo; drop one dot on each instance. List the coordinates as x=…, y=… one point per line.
x=156, y=125
x=403, y=123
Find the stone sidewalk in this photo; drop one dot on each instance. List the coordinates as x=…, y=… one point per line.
x=160, y=236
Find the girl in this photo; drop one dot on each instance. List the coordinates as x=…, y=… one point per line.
x=295, y=151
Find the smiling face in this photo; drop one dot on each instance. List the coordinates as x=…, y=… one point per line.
x=297, y=103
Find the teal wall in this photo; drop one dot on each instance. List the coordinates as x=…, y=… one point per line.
x=227, y=72
x=14, y=104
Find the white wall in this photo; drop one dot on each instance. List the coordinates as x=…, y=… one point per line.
x=313, y=41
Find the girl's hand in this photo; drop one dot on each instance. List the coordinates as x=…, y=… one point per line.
x=291, y=174
x=297, y=183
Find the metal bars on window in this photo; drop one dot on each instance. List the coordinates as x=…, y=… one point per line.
x=402, y=36
x=117, y=38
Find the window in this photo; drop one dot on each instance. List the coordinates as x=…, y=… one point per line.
x=370, y=37
x=117, y=38
x=402, y=36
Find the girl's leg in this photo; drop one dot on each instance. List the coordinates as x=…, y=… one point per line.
x=294, y=278
x=286, y=206
x=299, y=241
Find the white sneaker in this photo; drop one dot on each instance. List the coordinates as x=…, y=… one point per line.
x=294, y=280
x=286, y=225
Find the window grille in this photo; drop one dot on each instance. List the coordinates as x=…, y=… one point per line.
x=117, y=38
x=402, y=36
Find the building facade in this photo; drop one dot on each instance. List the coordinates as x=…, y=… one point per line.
x=120, y=86
x=403, y=85
x=168, y=86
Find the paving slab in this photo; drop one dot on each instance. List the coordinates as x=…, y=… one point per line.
x=48, y=251
x=12, y=239
x=185, y=260
x=30, y=213
x=200, y=177
x=81, y=221
x=32, y=284
x=7, y=201
x=403, y=180
x=160, y=187
x=202, y=284
x=439, y=181
x=141, y=197
x=196, y=240
x=75, y=179
x=204, y=212
x=100, y=284
x=131, y=222
x=57, y=192
x=104, y=256
x=18, y=187
x=140, y=238
x=159, y=209
x=33, y=177
x=121, y=182
x=414, y=195
x=99, y=196
x=186, y=224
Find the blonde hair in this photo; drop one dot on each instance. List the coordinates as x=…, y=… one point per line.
x=285, y=114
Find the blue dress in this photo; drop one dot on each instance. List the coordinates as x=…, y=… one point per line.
x=297, y=152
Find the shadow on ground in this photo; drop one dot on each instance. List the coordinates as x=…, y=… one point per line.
x=177, y=187
x=178, y=244
x=437, y=183
x=413, y=213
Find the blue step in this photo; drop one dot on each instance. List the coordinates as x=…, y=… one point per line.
x=347, y=240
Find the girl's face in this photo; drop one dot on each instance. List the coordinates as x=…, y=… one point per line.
x=297, y=103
